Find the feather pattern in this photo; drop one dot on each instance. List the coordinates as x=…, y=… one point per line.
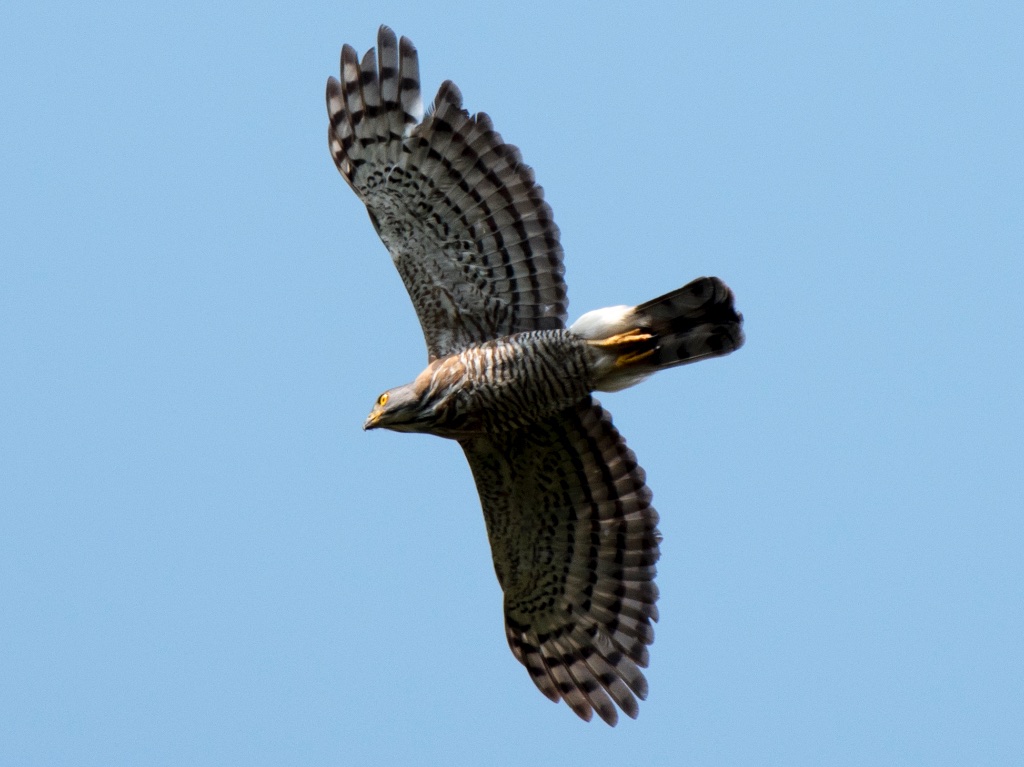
x=575, y=542
x=467, y=226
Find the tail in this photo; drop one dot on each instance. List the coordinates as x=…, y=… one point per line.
x=689, y=324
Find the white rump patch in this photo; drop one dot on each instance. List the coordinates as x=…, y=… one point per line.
x=603, y=323
x=621, y=381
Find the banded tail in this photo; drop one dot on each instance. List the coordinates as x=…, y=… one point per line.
x=630, y=342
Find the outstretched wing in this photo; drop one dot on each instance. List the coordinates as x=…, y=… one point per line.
x=466, y=225
x=575, y=543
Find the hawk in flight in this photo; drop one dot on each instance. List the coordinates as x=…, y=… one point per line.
x=568, y=514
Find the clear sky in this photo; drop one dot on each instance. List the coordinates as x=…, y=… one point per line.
x=205, y=561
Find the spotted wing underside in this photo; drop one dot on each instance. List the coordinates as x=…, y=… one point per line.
x=575, y=542
x=465, y=223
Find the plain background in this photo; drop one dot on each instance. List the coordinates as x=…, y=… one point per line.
x=203, y=560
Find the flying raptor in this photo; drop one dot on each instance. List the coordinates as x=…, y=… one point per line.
x=569, y=518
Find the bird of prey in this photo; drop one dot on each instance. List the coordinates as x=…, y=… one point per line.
x=569, y=518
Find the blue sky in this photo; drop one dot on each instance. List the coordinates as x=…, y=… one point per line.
x=204, y=560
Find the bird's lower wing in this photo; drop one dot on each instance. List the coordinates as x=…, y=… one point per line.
x=575, y=543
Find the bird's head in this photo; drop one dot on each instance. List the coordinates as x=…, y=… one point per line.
x=422, y=406
x=398, y=409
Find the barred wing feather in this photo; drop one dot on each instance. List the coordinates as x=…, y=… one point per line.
x=575, y=542
x=465, y=223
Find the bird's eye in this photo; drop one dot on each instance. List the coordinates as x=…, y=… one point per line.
x=382, y=399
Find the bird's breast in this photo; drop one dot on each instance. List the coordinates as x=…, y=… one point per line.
x=514, y=381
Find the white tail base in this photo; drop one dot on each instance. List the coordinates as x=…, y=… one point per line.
x=603, y=323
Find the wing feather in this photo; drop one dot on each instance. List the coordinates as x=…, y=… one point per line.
x=466, y=225
x=575, y=542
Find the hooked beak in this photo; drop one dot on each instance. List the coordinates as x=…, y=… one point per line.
x=371, y=420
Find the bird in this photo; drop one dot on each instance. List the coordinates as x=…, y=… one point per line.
x=568, y=513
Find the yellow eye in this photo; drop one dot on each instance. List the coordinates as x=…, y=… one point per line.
x=382, y=400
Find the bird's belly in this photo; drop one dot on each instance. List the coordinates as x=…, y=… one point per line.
x=515, y=381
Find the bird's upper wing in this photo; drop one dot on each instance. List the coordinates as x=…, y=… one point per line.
x=467, y=227
x=575, y=542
